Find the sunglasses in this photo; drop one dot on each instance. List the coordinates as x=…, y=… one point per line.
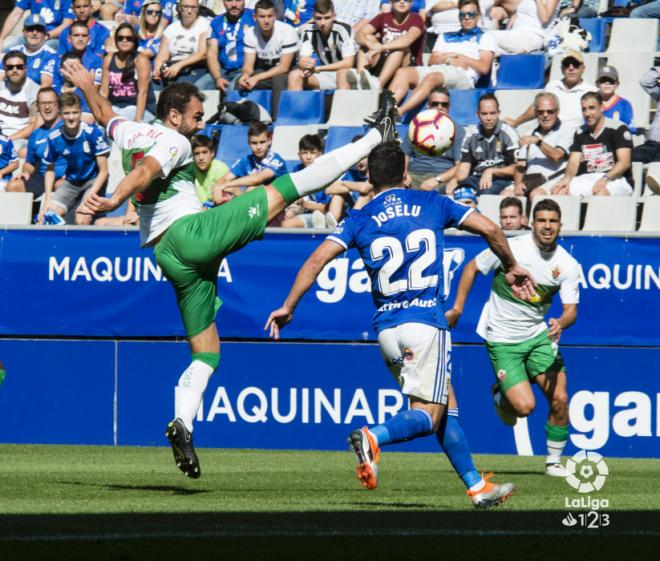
x=606, y=81
x=569, y=63
x=153, y=12
x=438, y=104
x=467, y=15
x=33, y=29
x=15, y=67
x=128, y=38
x=546, y=111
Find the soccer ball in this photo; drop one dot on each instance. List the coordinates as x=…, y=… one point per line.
x=432, y=132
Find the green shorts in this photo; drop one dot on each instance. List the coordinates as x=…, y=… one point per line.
x=514, y=363
x=192, y=249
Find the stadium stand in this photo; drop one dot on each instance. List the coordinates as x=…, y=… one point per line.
x=350, y=107
x=650, y=215
x=301, y=107
x=521, y=72
x=597, y=28
x=338, y=136
x=610, y=214
x=285, y=139
x=464, y=106
x=236, y=147
x=15, y=209
x=262, y=97
x=633, y=35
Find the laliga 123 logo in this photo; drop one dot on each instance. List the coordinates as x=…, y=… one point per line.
x=586, y=471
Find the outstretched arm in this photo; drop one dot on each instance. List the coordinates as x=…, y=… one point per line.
x=470, y=272
x=306, y=277
x=100, y=107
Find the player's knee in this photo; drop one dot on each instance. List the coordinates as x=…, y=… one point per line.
x=559, y=402
x=523, y=406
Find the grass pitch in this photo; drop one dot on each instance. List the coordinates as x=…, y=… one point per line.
x=82, y=502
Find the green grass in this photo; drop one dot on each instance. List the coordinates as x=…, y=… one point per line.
x=85, y=502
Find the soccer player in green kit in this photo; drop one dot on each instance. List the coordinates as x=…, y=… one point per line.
x=190, y=243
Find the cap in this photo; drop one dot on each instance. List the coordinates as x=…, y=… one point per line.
x=577, y=55
x=34, y=20
x=608, y=72
x=147, y=2
x=465, y=193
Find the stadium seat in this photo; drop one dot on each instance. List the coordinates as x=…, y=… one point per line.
x=610, y=214
x=652, y=185
x=350, y=107
x=115, y=168
x=285, y=139
x=339, y=136
x=633, y=35
x=233, y=143
x=514, y=102
x=489, y=206
x=210, y=103
x=262, y=97
x=591, y=63
x=570, y=210
x=301, y=108
x=650, y=215
x=596, y=27
x=638, y=182
x=641, y=102
x=464, y=106
x=521, y=72
x=16, y=209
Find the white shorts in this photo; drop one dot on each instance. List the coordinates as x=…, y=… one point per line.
x=419, y=357
x=327, y=80
x=516, y=41
x=455, y=78
x=582, y=186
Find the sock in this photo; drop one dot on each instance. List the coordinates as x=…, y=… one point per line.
x=451, y=437
x=192, y=383
x=327, y=168
x=2, y=374
x=557, y=437
x=403, y=426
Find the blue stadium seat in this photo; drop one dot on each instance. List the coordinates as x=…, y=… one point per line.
x=301, y=108
x=339, y=136
x=521, y=72
x=262, y=97
x=291, y=164
x=595, y=26
x=464, y=105
x=233, y=143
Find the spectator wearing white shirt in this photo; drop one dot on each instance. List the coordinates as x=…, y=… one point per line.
x=182, y=53
x=270, y=49
x=569, y=90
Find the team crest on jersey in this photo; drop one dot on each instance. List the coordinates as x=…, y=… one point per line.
x=555, y=272
x=501, y=375
x=173, y=152
x=391, y=199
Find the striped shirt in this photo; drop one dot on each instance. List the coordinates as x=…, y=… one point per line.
x=338, y=45
x=483, y=152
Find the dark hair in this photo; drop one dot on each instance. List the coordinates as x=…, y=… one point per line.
x=595, y=95
x=176, y=96
x=511, y=201
x=387, y=165
x=202, y=141
x=68, y=99
x=310, y=142
x=462, y=3
x=257, y=128
x=546, y=204
x=439, y=90
x=14, y=54
x=324, y=6
x=129, y=70
x=486, y=97
x=78, y=23
x=264, y=5
x=46, y=89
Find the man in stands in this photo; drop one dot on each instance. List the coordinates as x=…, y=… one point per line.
x=388, y=42
x=569, y=90
x=650, y=150
x=459, y=59
x=488, y=151
x=543, y=154
x=56, y=13
x=327, y=52
x=270, y=49
x=512, y=215
x=17, y=96
x=98, y=33
x=79, y=42
x=225, y=51
x=39, y=56
x=599, y=162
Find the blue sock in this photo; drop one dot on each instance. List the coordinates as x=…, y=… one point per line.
x=452, y=439
x=403, y=426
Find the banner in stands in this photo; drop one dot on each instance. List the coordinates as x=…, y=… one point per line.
x=100, y=283
x=278, y=395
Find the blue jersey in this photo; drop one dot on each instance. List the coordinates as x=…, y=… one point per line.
x=229, y=36
x=399, y=235
x=52, y=11
x=98, y=35
x=620, y=109
x=150, y=44
x=79, y=152
x=38, y=63
x=90, y=60
x=297, y=12
x=36, y=149
x=249, y=165
x=7, y=152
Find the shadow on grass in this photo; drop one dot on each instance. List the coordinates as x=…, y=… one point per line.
x=171, y=489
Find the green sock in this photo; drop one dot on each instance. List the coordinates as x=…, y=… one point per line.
x=212, y=359
x=556, y=441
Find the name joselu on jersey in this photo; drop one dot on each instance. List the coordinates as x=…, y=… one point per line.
x=395, y=211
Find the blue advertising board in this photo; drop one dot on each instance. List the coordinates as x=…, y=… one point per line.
x=100, y=283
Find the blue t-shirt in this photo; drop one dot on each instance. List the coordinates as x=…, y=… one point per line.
x=151, y=44
x=52, y=11
x=90, y=60
x=249, y=165
x=297, y=12
x=98, y=35
x=230, y=39
x=7, y=152
x=37, y=63
x=79, y=152
x=36, y=149
x=621, y=110
x=399, y=235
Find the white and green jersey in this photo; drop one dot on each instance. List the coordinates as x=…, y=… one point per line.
x=170, y=196
x=507, y=319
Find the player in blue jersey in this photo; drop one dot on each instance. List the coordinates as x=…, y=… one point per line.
x=85, y=149
x=399, y=235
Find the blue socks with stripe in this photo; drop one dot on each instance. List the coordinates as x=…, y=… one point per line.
x=403, y=426
x=451, y=437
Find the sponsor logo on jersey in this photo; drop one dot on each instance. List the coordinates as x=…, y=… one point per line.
x=501, y=375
